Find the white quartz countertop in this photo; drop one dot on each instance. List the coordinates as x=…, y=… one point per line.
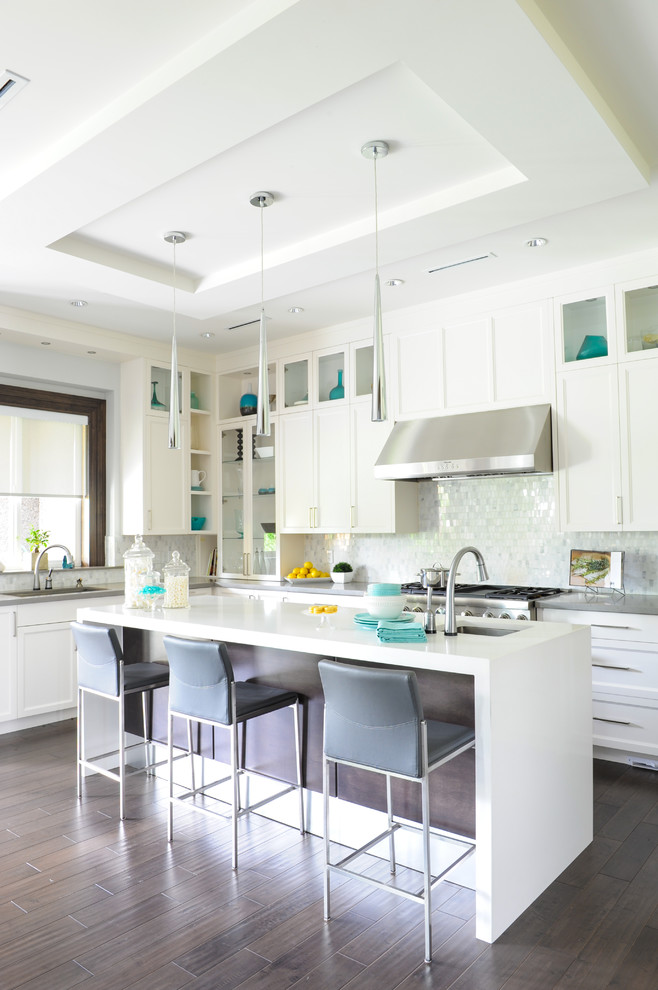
x=286, y=625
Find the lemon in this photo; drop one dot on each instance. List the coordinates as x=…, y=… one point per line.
x=296, y=570
x=315, y=573
x=331, y=608
x=308, y=565
x=303, y=572
x=292, y=575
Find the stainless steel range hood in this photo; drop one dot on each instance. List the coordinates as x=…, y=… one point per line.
x=469, y=445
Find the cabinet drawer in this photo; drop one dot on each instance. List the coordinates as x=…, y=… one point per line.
x=626, y=626
x=627, y=672
x=621, y=725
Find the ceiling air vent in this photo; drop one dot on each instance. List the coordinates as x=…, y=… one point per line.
x=10, y=84
x=249, y=323
x=458, y=264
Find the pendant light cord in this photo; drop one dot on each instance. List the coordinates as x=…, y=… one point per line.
x=374, y=166
x=174, y=239
x=262, y=263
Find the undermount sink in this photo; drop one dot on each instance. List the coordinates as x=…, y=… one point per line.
x=486, y=631
x=43, y=593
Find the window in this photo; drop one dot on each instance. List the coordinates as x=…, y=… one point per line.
x=52, y=472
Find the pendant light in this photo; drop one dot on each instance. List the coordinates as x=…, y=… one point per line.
x=261, y=200
x=174, y=237
x=374, y=150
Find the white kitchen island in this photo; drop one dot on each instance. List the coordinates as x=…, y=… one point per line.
x=533, y=729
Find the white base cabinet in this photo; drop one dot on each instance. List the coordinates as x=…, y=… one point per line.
x=624, y=681
x=46, y=662
x=38, y=665
x=8, y=641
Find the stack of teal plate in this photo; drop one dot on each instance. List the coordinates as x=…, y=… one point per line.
x=368, y=621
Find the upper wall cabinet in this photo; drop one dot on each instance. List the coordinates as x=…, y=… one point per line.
x=234, y=389
x=637, y=319
x=585, y=330
x=501, y=358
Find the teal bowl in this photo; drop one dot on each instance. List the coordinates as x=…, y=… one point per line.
x=383, y=589
x=198, y=522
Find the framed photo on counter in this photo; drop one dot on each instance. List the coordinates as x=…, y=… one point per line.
x=597, y=569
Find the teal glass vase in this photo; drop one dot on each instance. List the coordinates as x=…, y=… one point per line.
x=338, y=391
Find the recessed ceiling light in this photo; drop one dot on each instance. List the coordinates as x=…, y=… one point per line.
x=78, y=303
x=45, y=343
x=91, y=352
x=10, y=84
x=296, y=309
x=206, y=335
x=393, y=282
x=536, y=242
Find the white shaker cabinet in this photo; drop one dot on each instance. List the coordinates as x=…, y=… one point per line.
x=8, y=654
x=638, y=388
x=589, y=461
x=47, y=678
x=479, y=361
x=314, y=472
x=377, y=506
x=624, y=681
x=607, y=475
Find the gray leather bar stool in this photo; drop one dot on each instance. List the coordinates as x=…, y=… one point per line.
x=374, y=721
x=102, y=671
x=202, y=689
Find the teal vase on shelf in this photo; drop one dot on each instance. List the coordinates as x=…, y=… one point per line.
x=338, y=391
x=593, y=346
x=248, y=403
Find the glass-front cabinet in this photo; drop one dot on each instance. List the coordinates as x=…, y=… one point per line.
x=249, y=538
x=160, y=390
x=637, y=313
x=586, y=325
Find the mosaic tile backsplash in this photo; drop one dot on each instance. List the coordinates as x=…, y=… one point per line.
x=512, y=521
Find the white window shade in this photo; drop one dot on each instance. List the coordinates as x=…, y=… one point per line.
x=42, y=454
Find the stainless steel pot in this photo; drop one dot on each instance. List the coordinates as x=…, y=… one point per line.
x=434, y=577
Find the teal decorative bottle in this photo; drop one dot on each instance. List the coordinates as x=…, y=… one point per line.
x=338, y=391
x=248, y=403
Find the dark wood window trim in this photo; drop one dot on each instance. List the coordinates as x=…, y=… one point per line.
x=94, y=410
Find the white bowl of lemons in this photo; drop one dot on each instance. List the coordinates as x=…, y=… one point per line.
x=307, y=573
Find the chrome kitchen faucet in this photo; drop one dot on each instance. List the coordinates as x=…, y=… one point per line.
x=450, y=627
x=36, y=585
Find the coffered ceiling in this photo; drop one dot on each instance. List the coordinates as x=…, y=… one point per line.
x=506, y=119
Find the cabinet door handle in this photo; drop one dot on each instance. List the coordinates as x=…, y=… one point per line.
x=315, y=517
x=602, y=625
x=149, y=519
x=620, y=511
x=245, y=564
x=310, y=517
x=352, y=516
x=610, y=666
x=15, y=634
x=613, y=721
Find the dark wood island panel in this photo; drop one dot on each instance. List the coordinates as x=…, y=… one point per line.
x=446, y=696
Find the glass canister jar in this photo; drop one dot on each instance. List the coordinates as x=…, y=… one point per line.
x=176, y=582
x=137, y=563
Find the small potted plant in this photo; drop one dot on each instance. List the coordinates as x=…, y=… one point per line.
x=342, y=573
x=37, y=540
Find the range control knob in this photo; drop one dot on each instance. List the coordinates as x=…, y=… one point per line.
x=523, y=617
x=489, y=614
x=405, y=608
x=504, y=615
x=417, y=608
x=466, y=611
x=441, y=610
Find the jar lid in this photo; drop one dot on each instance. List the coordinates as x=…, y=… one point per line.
x=176, y=565
x=138, y=549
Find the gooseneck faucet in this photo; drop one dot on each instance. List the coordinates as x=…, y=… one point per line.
x=36, y=586
x=450, y=623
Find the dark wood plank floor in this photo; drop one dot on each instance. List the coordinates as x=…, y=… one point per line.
x=87, y=901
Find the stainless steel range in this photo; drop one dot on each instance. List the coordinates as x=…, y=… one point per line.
x=491, y=601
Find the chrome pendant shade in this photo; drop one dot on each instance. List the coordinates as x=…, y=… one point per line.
x=174, y=237
x=374, y=150
x=261, y=200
